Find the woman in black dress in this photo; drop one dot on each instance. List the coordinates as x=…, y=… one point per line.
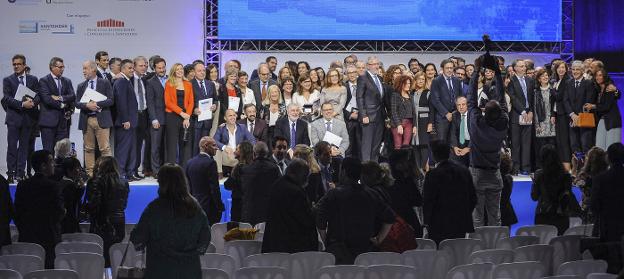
x=244, y=155
x=562, y=120
x=422, y=122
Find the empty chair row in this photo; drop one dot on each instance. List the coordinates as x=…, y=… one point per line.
x=40, y=274
x=87, y=265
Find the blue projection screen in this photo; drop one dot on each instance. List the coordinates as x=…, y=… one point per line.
x=465, y=20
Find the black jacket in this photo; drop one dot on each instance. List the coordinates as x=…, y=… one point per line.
x=607, y=197
x=257, y=181
x=6, y=212
x=290, y=224
x=282, y=128
x=107, y=197
x=201, y=172
x=607, y=108
x=72, y=197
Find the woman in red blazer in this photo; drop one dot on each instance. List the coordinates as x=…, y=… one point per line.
x=178, y=108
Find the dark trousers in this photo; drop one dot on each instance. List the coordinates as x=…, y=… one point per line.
x=562, y=130
x=443, y=129
x=176, y=147
x=18, y=140
x=143, y=143
x=157, y=147
x=34, y=133
x=581, y=139
x=125, y=152
x=372, y=133
x=355, y=134
x=200, y=132
x=521, y=146
x=50, y=135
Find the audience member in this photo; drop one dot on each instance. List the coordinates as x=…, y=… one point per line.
x=317, y=186
x=279, y=154
x=508, y=214
x=595, y=163
x=607, y=196
x=244, y=155
x=405, y=193
x=7, y=212
x=257, y=181
x=203, y=180
x=72, y=187
x=173, y=230
x=290, y=225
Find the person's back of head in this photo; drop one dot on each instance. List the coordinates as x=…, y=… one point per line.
x=173, y=188
x=595, y=161
x=506, y=163
x=494, y=115
x=40, y=162
x=72, y=167
x=402, y=166
x=371, y=174
x=62, y=148
x=440, y=150
x=106, y=166
x=552, y=167
x=350, y=170
x=615, y=154
x=260, y=150
x=298, y=171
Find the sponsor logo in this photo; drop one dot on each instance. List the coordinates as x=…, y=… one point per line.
x=25, y=2
x=59, y=2
x=111, y=23
x=42, y=26
x=111, y=28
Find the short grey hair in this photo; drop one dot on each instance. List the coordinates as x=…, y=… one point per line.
x=91, y=64
x=292, y=105
x=62, y=149
x=577, y=63
x=260, y=150
x=136, y=59
x=371, y=59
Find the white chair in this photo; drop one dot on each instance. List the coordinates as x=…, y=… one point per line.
x=544, y=232
x=219, y=261
x=424, y=243
x=218, y=230
x=262, y=273
x=519, y=270
x=460, y=249
x=82, y=237
x=575, y=221
x=429, y=263
x=259, y=236
x=514, y=242
x=471, y=271
x=562, y=277
x=87, y=265
x=342, y=272
x=52, y=274
x=128, y=229
x=490, y=235
x=211, y=248
x=84, y=227
x=304, y=265
x=116, y=252
x=240, y=249
x=389, y=271
x=23, y=248
x=260, y=227
x=73, y=247
x=268, y=260
x=582, y=268
x=214, y=273
x=21, y=263
x=9, y=274
x=601, y=276
x=567, y=249
x=495, y=256
x=541, y=253
x=377, y=258
x=14, y=232
x=585, y=230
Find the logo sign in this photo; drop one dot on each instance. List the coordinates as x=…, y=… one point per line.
x=111, y=28
x=41, y=26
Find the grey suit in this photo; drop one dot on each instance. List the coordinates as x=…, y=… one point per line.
x=254, y=85
x=370, y=104
x=338, y=127
x=155, y=100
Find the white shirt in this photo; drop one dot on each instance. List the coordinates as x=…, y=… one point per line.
x=273, y=118
x=353, y=102
x=249, y=97
x=249, y=125
x=231, y=138
x=102, y=71
x=301, y=101
x=138, y=82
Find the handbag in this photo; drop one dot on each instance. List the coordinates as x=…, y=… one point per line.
x=129, y=272
x=586, y=120
x=400, y=238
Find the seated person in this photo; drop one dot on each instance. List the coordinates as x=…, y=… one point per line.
x=228, y=136
x=333, y=125
x=460, y=138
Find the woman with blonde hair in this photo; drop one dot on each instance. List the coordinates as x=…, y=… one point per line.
x=334, y=92
x=272, y=109
x=315, y=182
x=179, y=105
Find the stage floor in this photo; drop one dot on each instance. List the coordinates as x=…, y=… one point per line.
x=144, y=191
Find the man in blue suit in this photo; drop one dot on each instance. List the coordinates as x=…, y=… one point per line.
x=155, y=100
x=444, y=90
x=126, y=121
x=228, y=136
x=21, y=117
x=57, y=100
x=201, y=172
x=95, y=117
x=203, y=89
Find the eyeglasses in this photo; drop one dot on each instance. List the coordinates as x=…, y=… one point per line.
x=18, y=64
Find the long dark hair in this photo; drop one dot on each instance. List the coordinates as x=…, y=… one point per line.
x=553, y=172
x=173, y=188
x=245, y=152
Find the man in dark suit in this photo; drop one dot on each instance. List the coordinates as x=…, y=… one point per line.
x=444, y=89
x=155, y=98
x=256, y=126
x=271, y=61
x=57, y=100
x=260, y=86
x=460, y=137
x=371, y=110
x=202, y=89
x=7, y=212
x=579, y=91
x=279, y=154
x=350, y=114
x=607, y=196
x=39, y=206
x=449, y=197
x=101, y=59
x=257, y=180
x=290, y=224
x=21, y=117
x=201, y=172
x=126, y=119
x=521, y=90
x=143, y=130
x=292, y=128
x=95, y=117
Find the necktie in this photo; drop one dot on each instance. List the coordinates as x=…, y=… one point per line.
x=282, y=167
x=577, y=84
x=162, y=81
x=263, y=91
x=201, y=85
x=353, y=89
x=449, y=84
x=91, y=84
x=251, y=127
x=378, y=83
x=328, y=126
x=140, y=90
x=58, y=85
x=293, y=134
x=462, y=130
x=524, y=91
x=21, y=78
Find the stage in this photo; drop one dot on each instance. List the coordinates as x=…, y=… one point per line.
x=143, y=192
